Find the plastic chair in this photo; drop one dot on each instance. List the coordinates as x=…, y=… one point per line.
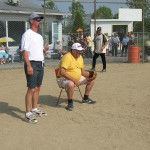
x=62, y=88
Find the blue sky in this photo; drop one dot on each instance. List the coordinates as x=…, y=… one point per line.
x=89, y=7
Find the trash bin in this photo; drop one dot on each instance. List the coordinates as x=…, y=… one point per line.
x=133, y=54
x=147, y=50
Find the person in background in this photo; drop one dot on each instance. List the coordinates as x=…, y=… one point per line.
x=89, y=45
x=3, y=54
x=20, y=53
x=70, y=42
x=100, y=43
x=10, y=54
x=108, y=46
x=125, y=41
x=115, y=43
x=84, y=45
x=33, y=55
x=131, y=38
x=72, y=73
x=59, y=50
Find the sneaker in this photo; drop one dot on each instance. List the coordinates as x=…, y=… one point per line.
x=38, y=112
x=31, y=118
x=103, y=70
x=69, y=107
x=92, y=69
x=88, y=101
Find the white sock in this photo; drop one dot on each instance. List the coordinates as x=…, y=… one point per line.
x=28, y=114
x=34, y=109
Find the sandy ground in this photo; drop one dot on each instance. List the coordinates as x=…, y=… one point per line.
x=120, y=120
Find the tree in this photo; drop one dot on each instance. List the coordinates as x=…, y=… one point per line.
x=76, y=7
x=138, y=4
x=115, y=16
x=78, y=22
x=50, y=5
x=103, y=13
x=77, y=19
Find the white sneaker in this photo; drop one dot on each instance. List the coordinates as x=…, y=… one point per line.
x=38, y=112
x=31, y=118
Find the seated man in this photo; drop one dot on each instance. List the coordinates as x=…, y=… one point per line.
x=10, y=54
x=59, y=50
x=72, y=74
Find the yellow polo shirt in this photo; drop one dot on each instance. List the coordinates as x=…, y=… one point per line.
x=72, y=65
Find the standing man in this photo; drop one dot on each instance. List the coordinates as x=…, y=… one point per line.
x=100, y=43
x=115, y=42
x=32, y=51
x=125, y=41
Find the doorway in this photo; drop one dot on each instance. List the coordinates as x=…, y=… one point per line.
x=120, y=30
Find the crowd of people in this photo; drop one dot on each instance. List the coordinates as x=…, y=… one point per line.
x=114, y=42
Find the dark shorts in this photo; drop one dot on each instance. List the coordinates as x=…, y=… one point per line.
x=37, y=77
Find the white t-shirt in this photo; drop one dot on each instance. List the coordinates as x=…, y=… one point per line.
x=32, y=42
x=99, y=44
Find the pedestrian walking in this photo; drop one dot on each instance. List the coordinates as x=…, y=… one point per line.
x=100, y=43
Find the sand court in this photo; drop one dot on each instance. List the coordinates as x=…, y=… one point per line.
x=120, y=120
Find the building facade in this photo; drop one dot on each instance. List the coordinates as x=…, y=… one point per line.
x=13, y=21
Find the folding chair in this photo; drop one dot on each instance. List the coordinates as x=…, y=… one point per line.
x=62, y=88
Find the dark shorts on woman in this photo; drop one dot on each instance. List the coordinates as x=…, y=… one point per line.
x=38, y=72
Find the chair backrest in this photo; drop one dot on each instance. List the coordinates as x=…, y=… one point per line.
x=58, y=79
x=56, y=71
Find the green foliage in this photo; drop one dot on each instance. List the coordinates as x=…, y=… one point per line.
x=77, y=18
x=139, y=4
x=76, y=6
x=50, y=5
x=103, y=13
x=138, y=26
x=115, y=16
x=78, y=22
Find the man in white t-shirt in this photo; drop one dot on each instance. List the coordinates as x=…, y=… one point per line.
x=32, y=50
x=100, y=43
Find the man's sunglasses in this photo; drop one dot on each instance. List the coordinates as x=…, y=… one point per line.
x=38, y=19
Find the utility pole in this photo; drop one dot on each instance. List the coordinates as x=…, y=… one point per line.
x=143, y=30
x=94, y=16
x=44, y=23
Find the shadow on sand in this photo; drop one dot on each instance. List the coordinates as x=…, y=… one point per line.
x=50, y=100
x=10, y=110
